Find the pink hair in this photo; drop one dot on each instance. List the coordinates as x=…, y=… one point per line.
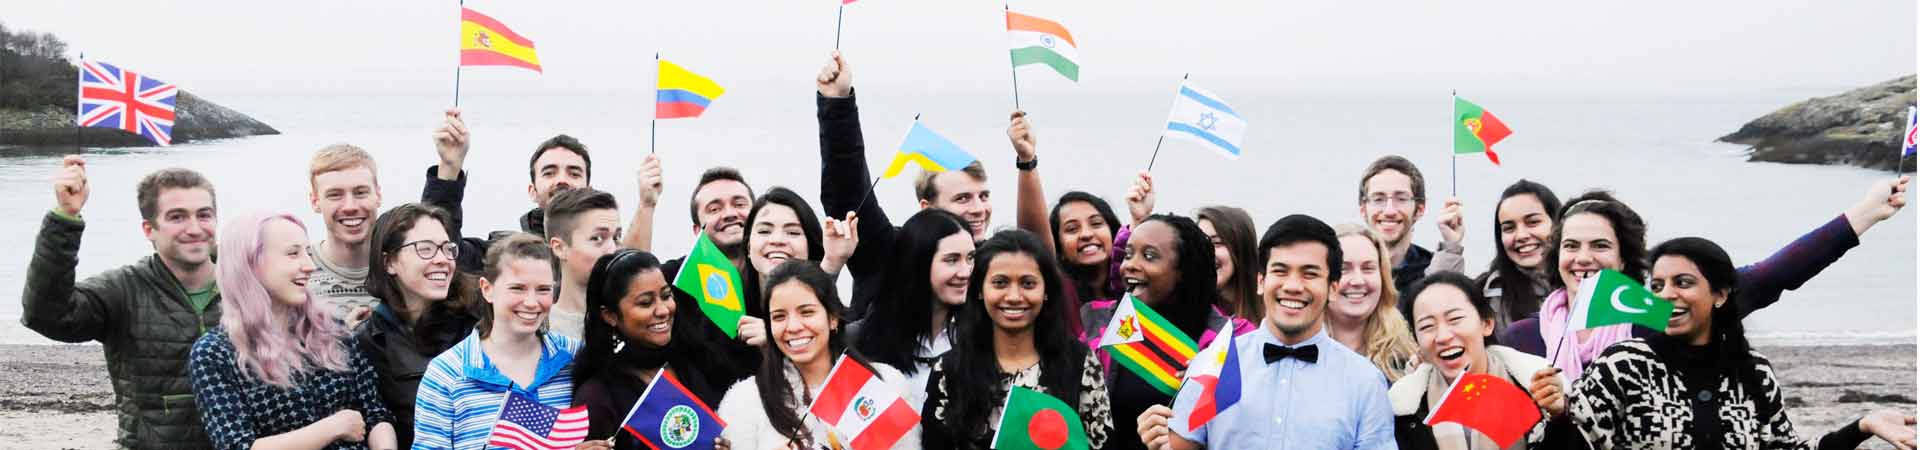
x=307, y=337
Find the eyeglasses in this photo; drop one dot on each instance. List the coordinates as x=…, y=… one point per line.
x=1381, y=201
x=429, y=249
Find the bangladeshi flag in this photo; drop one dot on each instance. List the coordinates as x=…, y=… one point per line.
x=1475, y=130
x=1490, y=405
x=1035, y=420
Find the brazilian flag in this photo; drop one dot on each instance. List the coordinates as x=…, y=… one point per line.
x=711, y=277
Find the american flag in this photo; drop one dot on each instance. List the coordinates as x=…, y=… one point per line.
x=114, y=98
x=526, y=424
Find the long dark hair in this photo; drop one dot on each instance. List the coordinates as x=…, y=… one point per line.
x=1735, y=355
x=1628, y=229
x=388, y=234
x=776, y=395
x=809, y=225
x=1235, y=229
x=1082, y=276
x=972, y=368
x=1517, y=298
x=902, y=315
x=1194, y=295
x=609, y=282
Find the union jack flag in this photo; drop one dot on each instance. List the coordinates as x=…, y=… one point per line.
x=111, y=97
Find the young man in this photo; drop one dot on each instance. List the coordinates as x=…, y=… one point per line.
x=146, y=315
x=844, y=182
x=345, y=191
x=1393, y=197
x=1299, y=388
x=582, y=225
x=558, y=164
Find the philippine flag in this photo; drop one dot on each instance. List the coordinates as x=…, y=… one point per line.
x=862, y=408
x=1216, y=369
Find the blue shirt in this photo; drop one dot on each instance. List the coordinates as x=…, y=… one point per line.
x=461, y=393
x=1339, y=402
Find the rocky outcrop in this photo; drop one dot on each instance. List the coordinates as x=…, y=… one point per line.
x=194, y=119
x=1863, y=127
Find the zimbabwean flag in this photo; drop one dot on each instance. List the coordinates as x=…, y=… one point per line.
x=1148, y=344
x=1475, y=130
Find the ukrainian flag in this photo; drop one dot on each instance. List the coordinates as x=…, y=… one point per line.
x=487, y=42
x=929, y=150
x=682, y=93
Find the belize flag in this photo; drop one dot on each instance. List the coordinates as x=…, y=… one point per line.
x=667, y=416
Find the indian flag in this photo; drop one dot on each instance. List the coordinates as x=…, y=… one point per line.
x=1042, y=41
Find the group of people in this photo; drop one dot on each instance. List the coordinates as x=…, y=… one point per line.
x=397, y=329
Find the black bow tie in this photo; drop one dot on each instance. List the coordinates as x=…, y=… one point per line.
x=1306, y=353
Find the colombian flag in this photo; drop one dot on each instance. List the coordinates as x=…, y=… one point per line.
x=487, y=42
x=683, y=94
x=1148, y=344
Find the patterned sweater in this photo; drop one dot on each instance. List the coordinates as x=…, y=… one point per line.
x=239, y=409
x=1634, y=397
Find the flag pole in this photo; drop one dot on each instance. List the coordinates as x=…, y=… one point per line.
x=876, y=182
x=1013, y=68
x=1163, y=129
x=80, y=147
x=653, y=126
x=456, y=68
x=1454, y=161
x=838, y=18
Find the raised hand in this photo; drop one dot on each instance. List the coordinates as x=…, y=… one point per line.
x=1452, y=223
x=1021, y=133
x=840, y=238
x=836, y=78
x=1882, y=200
x=70, y=185
x=650, y=181
x=1140, y=197
x=1152, y=427
x=451, y=141
x=1547, y=392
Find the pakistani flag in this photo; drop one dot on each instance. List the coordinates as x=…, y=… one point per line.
x=1611, y=298
x=711, y=278
x=1035, y=420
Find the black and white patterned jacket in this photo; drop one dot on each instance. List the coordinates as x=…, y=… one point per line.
x=1629, y=398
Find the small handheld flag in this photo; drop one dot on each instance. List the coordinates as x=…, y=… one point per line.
x=1912, y=140
x=862, y=407
x=111, y=97
x=1201, y=117
x=1041, y=41
x=711, y=277
x=487, y=42
x=668, y=416
x=525, y=424
x=1148, y=344
x=1475, y=130
x=1487, y=404
x=1611, y=298
x=1035, y=420
x=682, y=93
x=1216, y=369
x=929, y=150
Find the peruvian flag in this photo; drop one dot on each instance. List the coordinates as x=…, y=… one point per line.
x=862, y=408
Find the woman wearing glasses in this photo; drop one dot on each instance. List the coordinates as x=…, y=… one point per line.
x=425, y=304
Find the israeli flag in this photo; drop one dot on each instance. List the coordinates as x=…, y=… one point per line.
x=1202, y=118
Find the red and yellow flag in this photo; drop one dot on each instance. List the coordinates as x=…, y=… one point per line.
x=487, y=42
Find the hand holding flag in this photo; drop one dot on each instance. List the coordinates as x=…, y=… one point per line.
x=1216, y=370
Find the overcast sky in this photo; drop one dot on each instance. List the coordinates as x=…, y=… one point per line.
x=238, y=46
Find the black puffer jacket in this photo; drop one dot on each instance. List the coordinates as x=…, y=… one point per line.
x=140, y=315
x=400, y=356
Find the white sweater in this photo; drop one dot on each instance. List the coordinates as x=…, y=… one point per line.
x=749, y=429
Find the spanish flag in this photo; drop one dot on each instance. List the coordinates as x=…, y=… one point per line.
x=682, y=93
x=487, y=42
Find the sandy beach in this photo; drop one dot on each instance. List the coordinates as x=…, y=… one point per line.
x=58, y=396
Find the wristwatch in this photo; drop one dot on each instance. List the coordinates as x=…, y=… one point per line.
x=1026, y=165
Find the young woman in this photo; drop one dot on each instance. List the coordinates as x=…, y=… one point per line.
x=1363, y=312
x=1083, y=232
x=280, y=372
x=1454, y=325
x=1234, y=249
x=781, y=227
x=424, y=304
x=1009, y=334
x=1517, y=280
x=920, y=295
x=635, y=333
x=461, y=394
x=1653, y=392
x=769, y=411
x=1169, y=266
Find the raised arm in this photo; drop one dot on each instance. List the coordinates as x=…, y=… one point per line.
x=446, y=186
x=1762, y=283
x=1030, y=209
x=844, y=177
x=52, y=304
x=639, y=234
x=1451, y=255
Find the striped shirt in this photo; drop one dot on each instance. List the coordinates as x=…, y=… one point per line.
x=460, y=395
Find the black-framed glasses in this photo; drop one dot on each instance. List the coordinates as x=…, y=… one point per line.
x=429, y=249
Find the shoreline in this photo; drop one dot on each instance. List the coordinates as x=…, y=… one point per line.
x=65, y=387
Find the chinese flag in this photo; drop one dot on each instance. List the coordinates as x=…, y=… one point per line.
x=1490, y=405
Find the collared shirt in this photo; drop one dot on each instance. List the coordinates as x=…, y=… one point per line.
x=1339, y=402
x=460, y=395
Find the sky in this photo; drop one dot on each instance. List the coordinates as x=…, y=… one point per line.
x=237, y=46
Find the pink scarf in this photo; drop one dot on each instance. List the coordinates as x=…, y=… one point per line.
x=1573, y=354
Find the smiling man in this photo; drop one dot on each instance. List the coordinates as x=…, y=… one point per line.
x=346, y=193
x=1393, y=197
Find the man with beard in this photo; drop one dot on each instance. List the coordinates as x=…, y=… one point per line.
x=1298, y=385
x=1393, y=196
x=558, y=164
x=345, y=191
x=146, y=315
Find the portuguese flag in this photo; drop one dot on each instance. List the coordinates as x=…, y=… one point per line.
x=1475, y=130
x=1034, y=420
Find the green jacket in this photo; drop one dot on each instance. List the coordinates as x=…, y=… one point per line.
x=140, y=315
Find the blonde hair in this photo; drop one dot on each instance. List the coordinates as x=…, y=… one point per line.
x=1389, y=342
x=339, y=157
